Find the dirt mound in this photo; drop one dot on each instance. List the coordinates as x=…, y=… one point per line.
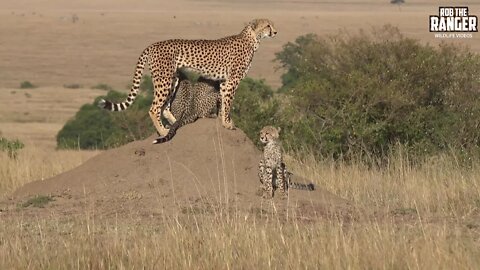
x=204, y=168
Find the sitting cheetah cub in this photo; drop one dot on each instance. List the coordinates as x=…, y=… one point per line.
x=271, y=169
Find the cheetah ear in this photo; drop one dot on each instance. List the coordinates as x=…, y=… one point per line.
x=279, y=129
x=253, y=23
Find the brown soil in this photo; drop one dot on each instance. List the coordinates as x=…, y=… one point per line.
x=205, y=169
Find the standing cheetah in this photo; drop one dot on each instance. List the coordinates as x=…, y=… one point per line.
x=226, y=60
x=272, y=171
x=192, y=101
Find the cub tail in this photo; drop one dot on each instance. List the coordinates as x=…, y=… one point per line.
x=171, y=132
x=288, y=176
x=308, y=187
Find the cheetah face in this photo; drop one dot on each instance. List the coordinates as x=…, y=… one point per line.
x=269, y=133
x=263, y=28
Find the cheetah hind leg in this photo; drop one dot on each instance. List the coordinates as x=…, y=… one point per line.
x=160, y=97
x=154, y=115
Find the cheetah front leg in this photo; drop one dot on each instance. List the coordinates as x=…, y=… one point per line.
x=261, y=170
x=261, y=176
x=227, y=93
x=268, y=183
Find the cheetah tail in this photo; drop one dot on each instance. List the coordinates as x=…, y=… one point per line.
x=111, y=106
x=309, y=187
x=171, y=132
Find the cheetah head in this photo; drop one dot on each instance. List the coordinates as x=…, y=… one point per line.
x=263, y=28
x=269, y=133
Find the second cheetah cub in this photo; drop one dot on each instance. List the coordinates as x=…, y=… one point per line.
x=271, y=170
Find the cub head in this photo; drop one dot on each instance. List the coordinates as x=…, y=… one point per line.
x=269, y=133
x=263, y=28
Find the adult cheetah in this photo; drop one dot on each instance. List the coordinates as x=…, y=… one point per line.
x=226, y=60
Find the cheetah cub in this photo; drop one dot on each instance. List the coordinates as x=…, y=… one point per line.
x=272, y=171
x=193, y=101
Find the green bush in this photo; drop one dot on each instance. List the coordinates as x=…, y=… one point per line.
x=27, y=85
x=11, y=147
x=254, y=107
x=94, y=128
x=39, y=201
x=359, y=95
x=72, y=86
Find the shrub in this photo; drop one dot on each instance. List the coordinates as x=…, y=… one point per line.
x=27, y=85
x=39, y=201
x=359, y=95
x=72, y=86
x=94, y=128
x=147, y=84
x=11, y=147
x=254, y=107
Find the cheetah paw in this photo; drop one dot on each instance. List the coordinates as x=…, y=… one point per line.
x=229, y=125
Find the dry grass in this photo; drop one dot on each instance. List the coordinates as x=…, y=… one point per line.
x=424, y=218
x=439, y=187
x=34, y=116
x=36, y=163
x=237, y=244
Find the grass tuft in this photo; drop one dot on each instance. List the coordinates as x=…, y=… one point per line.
x=27, y=85
x=72, y=86
x=38, y=201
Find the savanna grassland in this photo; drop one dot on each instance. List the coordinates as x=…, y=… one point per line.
x=403, y=215
x=424, y=218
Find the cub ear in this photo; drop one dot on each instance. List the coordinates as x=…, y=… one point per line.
x=279, y=129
